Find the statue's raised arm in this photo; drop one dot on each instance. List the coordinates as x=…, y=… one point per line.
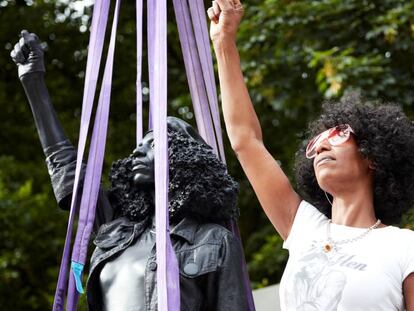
x=60, y=153
x=28, y=56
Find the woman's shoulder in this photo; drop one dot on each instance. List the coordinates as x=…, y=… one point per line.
x=403, y=241
x=402, y=237
x=406, y=233
x=308, y=214
x=403, y=232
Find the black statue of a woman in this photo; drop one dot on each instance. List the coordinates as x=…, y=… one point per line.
x=202, y=198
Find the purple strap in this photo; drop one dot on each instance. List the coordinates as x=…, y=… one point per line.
x=151, y=45
x=139, y=17
x=168, y=286
x=197, y=11
x=202, y=38
x=200, y=68
x=193, y=69
x=93, y=174
x=99, y=22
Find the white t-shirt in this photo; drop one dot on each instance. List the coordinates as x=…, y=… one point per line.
x=363, y=275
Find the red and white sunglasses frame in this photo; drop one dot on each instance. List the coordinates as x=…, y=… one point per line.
x=342, y=131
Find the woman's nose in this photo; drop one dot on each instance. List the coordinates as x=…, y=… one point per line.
x=324, y=145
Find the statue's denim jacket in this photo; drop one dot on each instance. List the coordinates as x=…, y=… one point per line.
x=209, y=256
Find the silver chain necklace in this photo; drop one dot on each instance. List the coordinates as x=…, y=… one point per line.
x=332, y=245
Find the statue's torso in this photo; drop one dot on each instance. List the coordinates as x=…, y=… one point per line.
x=122, y=278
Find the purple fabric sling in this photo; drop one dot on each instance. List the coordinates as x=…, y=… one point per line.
x=168, y=285
x=199, y=67
x=150, y=54
x=198, y=61
x=193, y=68
x=93, y=174
x=99, y=22
x=139, y=117
x=198, y=17
x=95, y=160
x=203, y=46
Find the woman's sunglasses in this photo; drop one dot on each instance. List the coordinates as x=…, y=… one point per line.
x=335, y=136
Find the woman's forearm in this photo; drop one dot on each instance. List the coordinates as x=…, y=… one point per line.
x=241, y=121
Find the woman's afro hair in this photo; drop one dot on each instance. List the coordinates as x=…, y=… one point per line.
x=385, y=136
x=199, y=185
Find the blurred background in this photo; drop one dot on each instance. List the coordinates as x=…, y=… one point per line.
x=295, y=54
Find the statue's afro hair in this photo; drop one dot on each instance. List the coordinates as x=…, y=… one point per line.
x=199, y=185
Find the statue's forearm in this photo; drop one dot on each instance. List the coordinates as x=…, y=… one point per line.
x=48, y=126
x=59, y=152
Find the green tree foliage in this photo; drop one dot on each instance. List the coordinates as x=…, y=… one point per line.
x=294, y=55
x=29, y=242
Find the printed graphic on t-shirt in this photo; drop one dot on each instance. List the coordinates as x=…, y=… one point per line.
x=319, y=281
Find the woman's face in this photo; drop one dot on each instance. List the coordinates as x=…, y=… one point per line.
x=340, y=167
x=143, y=161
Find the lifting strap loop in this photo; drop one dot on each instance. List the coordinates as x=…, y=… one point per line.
x=199, y=67
x=93, y=174
x=99, y=21
x=168, y=289
x=197, y=12
x=139, y=117
x=190, y=16
x=193, y=69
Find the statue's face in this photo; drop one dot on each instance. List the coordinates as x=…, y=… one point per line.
x=143, y=161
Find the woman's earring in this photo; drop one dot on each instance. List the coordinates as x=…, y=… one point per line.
x=330, y=202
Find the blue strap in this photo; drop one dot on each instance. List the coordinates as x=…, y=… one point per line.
x=77, y=269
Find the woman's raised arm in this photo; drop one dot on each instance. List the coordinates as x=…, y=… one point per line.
x=271, y=185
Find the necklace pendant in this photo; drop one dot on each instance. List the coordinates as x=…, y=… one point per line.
x=327, y=247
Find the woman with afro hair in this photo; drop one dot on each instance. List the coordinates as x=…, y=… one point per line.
x=355, y=178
